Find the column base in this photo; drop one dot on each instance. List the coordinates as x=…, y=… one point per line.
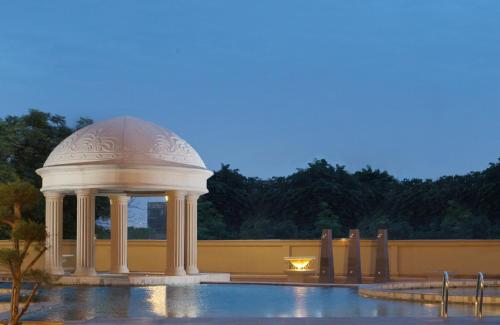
x=55, y=271
x=120, y=269
x=192, y=270
x=177, y=272
x=85, y=272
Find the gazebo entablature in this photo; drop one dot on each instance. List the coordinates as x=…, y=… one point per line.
x=118, y=178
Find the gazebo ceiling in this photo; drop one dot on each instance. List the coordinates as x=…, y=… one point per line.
x=124, y=154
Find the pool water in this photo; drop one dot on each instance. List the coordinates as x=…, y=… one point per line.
x=221, y=300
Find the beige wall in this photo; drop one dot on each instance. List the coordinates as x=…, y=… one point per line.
x=408, y=258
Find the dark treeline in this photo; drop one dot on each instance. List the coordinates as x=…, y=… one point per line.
x=326, y=196
x=297, y=206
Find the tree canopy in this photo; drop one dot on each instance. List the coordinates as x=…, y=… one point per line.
x=326, y=196
x=25, y=143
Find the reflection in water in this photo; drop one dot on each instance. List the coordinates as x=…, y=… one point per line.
x=117, y=305
x=157, y=298
x=81, y=297
x=5, y=292
x=183, y=301
x=356, y=308
x=173, y=301
x=4, y=299
x=4, y=306
x=300, y=302
x=381, y=311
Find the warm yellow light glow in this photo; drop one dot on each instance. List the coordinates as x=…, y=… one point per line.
x=157, y=298
x=166, y=198
x=300, y=263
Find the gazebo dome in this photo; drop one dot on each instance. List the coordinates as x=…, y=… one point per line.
x=124, y=140
x=124, y=155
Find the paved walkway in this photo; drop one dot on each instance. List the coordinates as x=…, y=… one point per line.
x=295, y=321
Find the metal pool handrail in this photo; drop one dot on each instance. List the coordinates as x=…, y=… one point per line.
x=478, y=301
x=444, y=295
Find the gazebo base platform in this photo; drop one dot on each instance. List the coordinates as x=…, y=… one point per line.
x=140, y=279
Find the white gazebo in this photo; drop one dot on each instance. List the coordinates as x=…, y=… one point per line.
x=118, y=158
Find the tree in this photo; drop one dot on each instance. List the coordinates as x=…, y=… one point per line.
x=137, y=233
x=461, y=223
x=7, y=173
x=210, y=222
x=228, y=192
x=25, y=143
x=397, y=228
x=326, y=219
x=27, y=140
x=257, y=228
x=83, y=122
x=25, y=236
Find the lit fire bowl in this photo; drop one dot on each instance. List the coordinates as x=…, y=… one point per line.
x=299, y=267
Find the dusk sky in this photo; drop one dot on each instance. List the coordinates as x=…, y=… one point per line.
x=412, y=87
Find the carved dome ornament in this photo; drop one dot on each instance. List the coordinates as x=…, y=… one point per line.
x=124, y=140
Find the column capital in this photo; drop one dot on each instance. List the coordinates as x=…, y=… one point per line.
x=176, y=193
x=192, y=195
x=122, y=198
x=86, y=192
x=53, y=195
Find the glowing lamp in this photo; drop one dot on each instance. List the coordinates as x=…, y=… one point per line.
x=299, y=263
x=299, y=267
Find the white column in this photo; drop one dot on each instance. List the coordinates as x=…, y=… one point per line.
x=192, y=233
x=119, y=217
x=85, y=232
x=53, y=227
x=175, y=233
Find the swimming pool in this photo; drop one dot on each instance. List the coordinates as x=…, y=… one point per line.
x=222, y=300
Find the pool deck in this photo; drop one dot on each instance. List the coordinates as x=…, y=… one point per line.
x=406, y=291
x=307, y=321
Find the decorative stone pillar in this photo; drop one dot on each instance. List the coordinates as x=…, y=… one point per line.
x=192, y=233
x=175, y=233
x=326, y=267
x=119, y=228
x=353, y=258
x=85, y=232
x=382, y=273
x=53, y=227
